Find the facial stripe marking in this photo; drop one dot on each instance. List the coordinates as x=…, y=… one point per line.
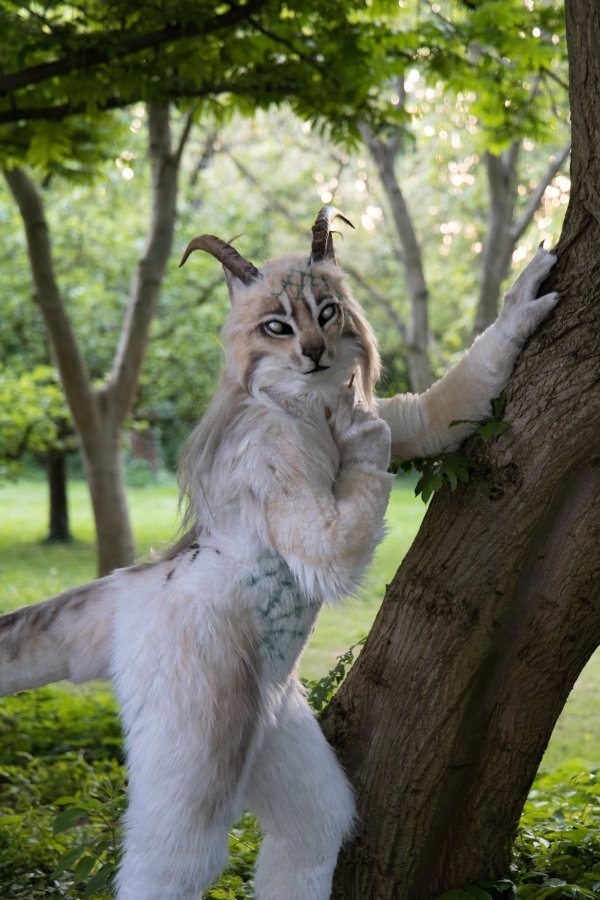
x=276, y=309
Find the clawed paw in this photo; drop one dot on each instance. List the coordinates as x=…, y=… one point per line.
x=523, y=310
x=527, y=284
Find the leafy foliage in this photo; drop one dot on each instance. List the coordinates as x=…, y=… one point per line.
x=320, y=691
x=436, y=471
x=62, y=796
x=450, y=468
x=557, y=850
x=98, y=810
x=33, y=416
x=47, y=761
x=506, y=57
x=558, y=847
x=67, y=64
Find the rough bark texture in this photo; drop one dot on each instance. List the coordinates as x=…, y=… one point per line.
x=443, y=721
x=99, y=415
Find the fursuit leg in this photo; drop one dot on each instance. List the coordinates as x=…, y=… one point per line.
x=305, y=804
x=176, y=839
x=190, y=707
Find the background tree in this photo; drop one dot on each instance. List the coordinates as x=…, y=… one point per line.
x=458, y=50
x=94, y=60
x=99, y=413
x=442, y=723
x=34, y=420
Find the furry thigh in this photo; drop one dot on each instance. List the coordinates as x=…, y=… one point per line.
x=305, y=804
x=191, y=708
x=179, y=811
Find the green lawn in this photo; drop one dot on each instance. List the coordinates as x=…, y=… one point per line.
x=30, y=571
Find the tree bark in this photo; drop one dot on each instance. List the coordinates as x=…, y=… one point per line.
x=99, y=415
x=442, y=723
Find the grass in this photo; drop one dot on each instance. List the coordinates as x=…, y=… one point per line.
x=31, y=570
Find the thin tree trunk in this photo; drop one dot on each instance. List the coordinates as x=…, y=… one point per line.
x=384, y=155
x=497, y=253
x=58, y=528
x=99, y=415
x=443, y=721
x=104, y=470
x=504, y=231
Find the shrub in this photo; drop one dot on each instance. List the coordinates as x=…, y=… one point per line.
x=62, y=793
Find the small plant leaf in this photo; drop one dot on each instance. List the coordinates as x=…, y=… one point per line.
x=68, y=818
x=99, y=880
x=83, y=868
x=490, y=429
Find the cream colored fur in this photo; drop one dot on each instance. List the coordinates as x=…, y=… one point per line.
x=286, y=483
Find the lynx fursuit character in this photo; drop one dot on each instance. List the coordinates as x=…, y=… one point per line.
x=287, y=483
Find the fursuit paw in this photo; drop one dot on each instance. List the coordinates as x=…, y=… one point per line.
x=361, y=436
x=523, y=310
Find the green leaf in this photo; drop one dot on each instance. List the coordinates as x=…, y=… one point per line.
x=68, y=818
x=67, y=860
x=100, y=879
x=452, y=479
x=491, y=429
x=83, y=868
x=497, y=405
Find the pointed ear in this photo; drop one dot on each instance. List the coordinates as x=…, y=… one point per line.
x=234, y=284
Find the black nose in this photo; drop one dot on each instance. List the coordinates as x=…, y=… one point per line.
x=314, y=352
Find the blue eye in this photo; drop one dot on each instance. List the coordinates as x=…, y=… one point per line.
x=328, y=314
x=277, y=328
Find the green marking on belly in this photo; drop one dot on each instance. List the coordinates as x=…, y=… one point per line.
x=283, y=617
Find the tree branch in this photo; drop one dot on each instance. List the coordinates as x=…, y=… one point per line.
x=185, y=132
x=519, y=228
x=277, y=39
x=501, y=173
x=114, y=44
x=64, y=110
x=384, y=155
x=147, y=281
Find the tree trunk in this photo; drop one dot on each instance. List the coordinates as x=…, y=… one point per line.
x=384, y=155
x=503, y=230
x=497, y=254
x=442, y=723
x=58, y=528
x=99, y=414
